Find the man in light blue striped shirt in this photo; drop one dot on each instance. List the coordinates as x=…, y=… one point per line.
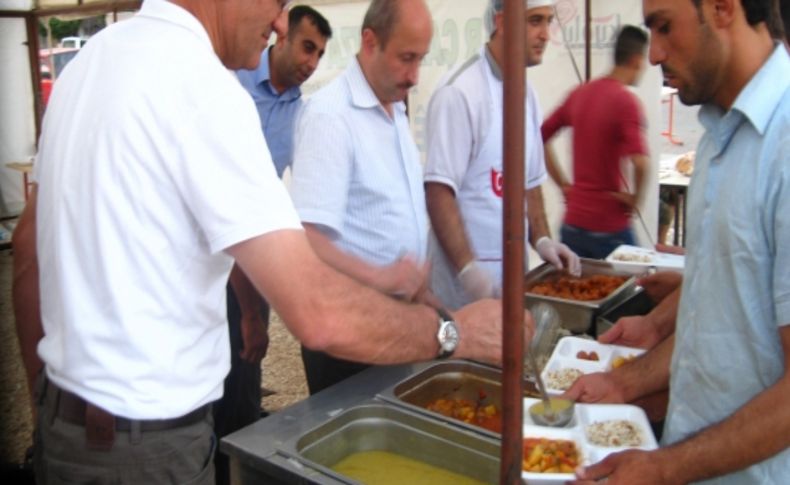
x=357, y=178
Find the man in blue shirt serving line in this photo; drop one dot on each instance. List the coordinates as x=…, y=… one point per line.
x=274, y=86
x=728, y=364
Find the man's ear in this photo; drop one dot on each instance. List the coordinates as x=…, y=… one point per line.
x=723, y=12
x=499, y=22
x=370, y=42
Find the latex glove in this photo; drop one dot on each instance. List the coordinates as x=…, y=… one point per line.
x=476, y=282
x=555, y=252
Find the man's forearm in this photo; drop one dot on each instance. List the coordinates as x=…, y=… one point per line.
x=664, y=316
x=536, y=215
x=448, y=225
x=25, y=291
x=648, y=374
x=553, y=167
x=641, y=164
x=345, y=263
x=330, y=312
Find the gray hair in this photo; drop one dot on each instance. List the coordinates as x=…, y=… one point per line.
x=381, y=17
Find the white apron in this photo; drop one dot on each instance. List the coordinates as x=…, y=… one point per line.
x=480, y=201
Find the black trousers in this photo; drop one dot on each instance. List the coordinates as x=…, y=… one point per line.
x=241, y=397
x=323, y=370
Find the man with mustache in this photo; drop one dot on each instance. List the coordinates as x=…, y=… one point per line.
x=728, y=364
x=146, y=193
x=274, y=86
x=357, y=181
x=463, y=172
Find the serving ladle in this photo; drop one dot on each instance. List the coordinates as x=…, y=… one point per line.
x=553, y=411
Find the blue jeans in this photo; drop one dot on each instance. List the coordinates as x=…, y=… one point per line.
x=595, y=245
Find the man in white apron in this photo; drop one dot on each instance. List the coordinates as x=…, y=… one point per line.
x=463, y=173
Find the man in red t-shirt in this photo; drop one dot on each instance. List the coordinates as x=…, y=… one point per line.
x=608, y=128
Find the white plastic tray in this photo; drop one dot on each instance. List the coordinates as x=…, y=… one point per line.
x=585, y=415
x=564, y=357
x=646, y=258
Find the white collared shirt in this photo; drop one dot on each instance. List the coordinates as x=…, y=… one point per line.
x=149, y=168
x=357, y=172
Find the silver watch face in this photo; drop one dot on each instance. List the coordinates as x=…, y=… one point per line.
x=448, y=336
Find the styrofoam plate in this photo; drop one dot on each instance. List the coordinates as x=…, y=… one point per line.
x=636, y=260
x=584, y=416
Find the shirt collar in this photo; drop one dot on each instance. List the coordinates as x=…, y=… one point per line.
x=492, y=62
x=362, y=95
x=261, y=75
x=756, y=102
x=170, y=12
x=760, y=98
x=261, y=78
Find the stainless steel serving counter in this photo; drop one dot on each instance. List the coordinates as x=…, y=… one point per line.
x=261, y=452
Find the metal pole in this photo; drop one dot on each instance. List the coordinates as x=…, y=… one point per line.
x=587, y=40
x=513, y=150
x=31, y=26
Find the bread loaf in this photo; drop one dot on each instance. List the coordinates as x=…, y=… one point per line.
x=685, y=164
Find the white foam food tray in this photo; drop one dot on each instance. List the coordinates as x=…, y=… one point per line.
x=565, y=356
x=583, y=417
x=636, y=260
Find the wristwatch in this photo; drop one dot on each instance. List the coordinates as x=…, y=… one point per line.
x=448, y=335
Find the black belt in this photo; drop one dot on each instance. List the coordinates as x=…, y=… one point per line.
x=75, y=410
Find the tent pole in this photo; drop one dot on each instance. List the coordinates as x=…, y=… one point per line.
x=513, y=150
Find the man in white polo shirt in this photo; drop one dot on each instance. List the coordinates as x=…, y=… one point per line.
x=357, y=179
x=463, y=172
x=149, y=186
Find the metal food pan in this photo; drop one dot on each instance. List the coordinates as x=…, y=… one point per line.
x=453, y=379
x=576, y=315
x=382, y=427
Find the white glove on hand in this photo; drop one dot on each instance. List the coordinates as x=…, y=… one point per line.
x=555, y=252
x=476, y=282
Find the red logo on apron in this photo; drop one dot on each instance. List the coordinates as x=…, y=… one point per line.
x=497, y=183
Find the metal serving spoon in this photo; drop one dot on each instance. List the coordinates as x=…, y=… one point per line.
x=551, y=411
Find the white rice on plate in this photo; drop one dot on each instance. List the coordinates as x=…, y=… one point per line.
x=616, y=432
x=563, y=379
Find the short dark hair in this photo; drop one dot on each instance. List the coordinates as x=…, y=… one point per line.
x=631, y=41
x=381, y=17
x=297, y=13
x=778, y=22
x=756, y=10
